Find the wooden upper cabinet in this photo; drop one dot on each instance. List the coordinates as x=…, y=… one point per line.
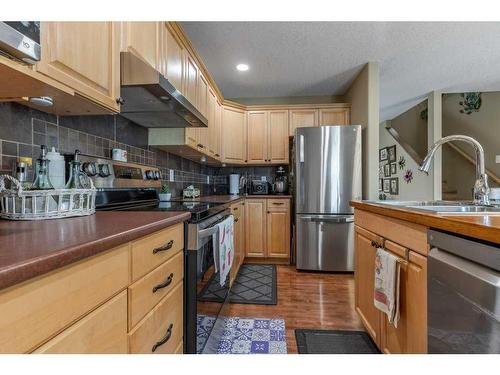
x=300, y=118
x=257, y=130
x=190, y=80
x=211, y=117
x=278, y=137
x=173, y=57
x=233, y=135
x=202, y=93
x=255, y=211
x=334, y=116
x=143, y=40
x=218, y=130
x=85, y=56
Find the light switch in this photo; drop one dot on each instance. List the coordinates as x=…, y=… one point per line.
x=497, y=159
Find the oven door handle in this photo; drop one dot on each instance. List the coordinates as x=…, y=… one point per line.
x=210, y=231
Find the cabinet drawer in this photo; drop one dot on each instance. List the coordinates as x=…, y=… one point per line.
x=147, y=292
x=273, y=204
x=102, y=331
x=162, y=328
x=34, y=311
x=149, y=252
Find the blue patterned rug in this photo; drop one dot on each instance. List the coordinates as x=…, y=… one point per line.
x=248, y=335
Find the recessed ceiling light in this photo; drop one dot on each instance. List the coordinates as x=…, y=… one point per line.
x=242, y=67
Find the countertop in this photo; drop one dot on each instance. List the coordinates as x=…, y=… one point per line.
x=483, y=227
x=234, y=198
x=32, y=248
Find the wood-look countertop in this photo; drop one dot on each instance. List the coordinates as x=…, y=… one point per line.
x=483, y=227
x=33, y=248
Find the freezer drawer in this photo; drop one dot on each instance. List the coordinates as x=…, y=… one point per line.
x=325, y=242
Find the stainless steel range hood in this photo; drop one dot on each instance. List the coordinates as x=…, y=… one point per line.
x=150, y=100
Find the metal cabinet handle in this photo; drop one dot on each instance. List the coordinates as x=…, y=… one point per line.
x=236, y=220
x=200, y=145
x=217, y=155
x=375, y=244
x=278, y=203
x=168, y=246
x=235, y=208
x=166, y=283
x=164, y=339
x=120, y=100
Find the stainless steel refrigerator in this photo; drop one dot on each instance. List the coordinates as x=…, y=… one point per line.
x=327, y=176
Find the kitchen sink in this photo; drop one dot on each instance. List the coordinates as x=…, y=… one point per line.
x=445, y=207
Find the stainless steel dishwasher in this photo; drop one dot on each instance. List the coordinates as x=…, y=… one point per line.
x=463, y=296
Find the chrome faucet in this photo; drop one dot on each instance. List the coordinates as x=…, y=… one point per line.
x=481, y=188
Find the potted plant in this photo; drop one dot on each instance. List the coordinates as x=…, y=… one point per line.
x=165, y=194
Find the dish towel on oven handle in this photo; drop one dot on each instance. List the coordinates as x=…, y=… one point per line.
x=386, y=291
x=223, y=243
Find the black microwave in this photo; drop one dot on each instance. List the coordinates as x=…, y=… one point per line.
x=21, y=40
x=260, y=187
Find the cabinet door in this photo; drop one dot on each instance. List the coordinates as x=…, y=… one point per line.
x=257, y=136
x=218, y=130
x=334, y=116
x=278, y=137
x=211, y=116
x=300, y=118
x=394, y=340
x=173, y=60
x=143, y=39
x=202, y=135
x=255, y=227
x=84, y=56
x=190, y=79
x=364, y=280
x=278, y=232
x=233, y=135
x=416, y=305
x=242, y=241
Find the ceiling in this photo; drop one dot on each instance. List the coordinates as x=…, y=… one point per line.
x=323, y=58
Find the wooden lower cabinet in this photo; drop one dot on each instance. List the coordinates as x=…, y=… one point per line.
x=94, y=306
x=161, y=330
x=268, y=228
x=410, y=336
x=102, y=331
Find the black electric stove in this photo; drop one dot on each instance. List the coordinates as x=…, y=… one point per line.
x=147, y=200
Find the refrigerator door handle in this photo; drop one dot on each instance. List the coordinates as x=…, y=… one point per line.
x=301, y=148
x=329, y=219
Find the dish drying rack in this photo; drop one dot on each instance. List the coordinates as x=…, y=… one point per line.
x=19, y=204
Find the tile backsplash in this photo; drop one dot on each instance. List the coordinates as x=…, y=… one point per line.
x=23, y=130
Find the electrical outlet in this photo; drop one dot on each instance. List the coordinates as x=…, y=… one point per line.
x=263, y=178
x=171, y=175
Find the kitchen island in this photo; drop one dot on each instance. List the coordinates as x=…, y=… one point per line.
x=403, y=232
x=106, y=283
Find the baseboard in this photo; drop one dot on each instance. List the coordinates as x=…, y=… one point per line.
x=256, y=260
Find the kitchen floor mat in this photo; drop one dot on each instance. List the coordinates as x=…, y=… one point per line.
x=255, y=284
x=313, y=341
x=253, y=336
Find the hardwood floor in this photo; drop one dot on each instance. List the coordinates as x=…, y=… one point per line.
x=308, y=300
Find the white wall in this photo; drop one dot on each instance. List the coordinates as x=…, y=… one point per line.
x=421, y=187
x=364, y=98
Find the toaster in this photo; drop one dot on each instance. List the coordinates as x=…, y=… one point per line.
x=260, y=187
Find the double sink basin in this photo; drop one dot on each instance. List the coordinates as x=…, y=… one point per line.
x=445, y=207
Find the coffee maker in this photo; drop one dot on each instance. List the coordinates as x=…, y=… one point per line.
x=280, y=184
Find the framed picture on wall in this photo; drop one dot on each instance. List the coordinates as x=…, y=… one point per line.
x=391, y=154
x=387, y=185
x=394, y=186
x=382, y=154
x=393, y=168
x=387, y=170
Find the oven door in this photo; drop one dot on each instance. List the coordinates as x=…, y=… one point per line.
x=206, y=296
x=463, y=305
